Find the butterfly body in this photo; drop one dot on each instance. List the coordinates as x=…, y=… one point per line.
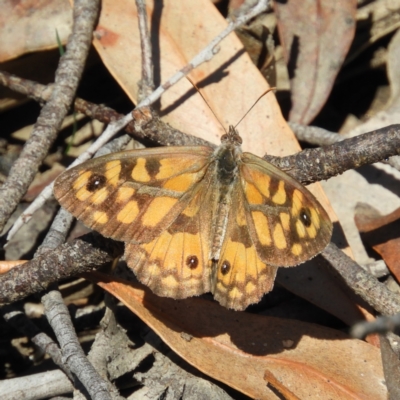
x=224, y=167
x=197, y=219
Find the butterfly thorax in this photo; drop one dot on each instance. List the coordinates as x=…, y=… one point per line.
x=227, y=156
x=227, y=164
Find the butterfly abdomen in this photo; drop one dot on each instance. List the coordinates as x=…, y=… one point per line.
x=220, y=219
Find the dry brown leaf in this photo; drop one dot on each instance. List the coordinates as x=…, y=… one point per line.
x=28, y=26
x=382, y=234
x=316, y=36
x=229, y=82
x=244, y=350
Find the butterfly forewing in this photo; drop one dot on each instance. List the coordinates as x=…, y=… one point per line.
x=286, y=223
x=133, y=195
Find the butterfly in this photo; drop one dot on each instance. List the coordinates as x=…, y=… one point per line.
x=197, y=219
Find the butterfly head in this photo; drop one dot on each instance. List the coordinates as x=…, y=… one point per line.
x=232, y=137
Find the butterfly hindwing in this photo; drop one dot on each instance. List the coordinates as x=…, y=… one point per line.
x=132, y=196
x=241, y=277
x=287, y=224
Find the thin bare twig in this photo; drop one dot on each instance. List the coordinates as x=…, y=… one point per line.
x=380, y=325
x=364, y=284
x=36, y=91
x=73, y=355
x=70, y=259
x=146, y=85
x=322, y=137
x=333, y=160
x=44, y=385
x=57, y=233
x=315, y=135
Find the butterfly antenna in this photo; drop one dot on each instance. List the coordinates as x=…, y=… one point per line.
x=267, y=91
x=205, y=101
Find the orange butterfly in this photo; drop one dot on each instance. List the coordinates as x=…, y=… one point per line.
x=198, y=219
